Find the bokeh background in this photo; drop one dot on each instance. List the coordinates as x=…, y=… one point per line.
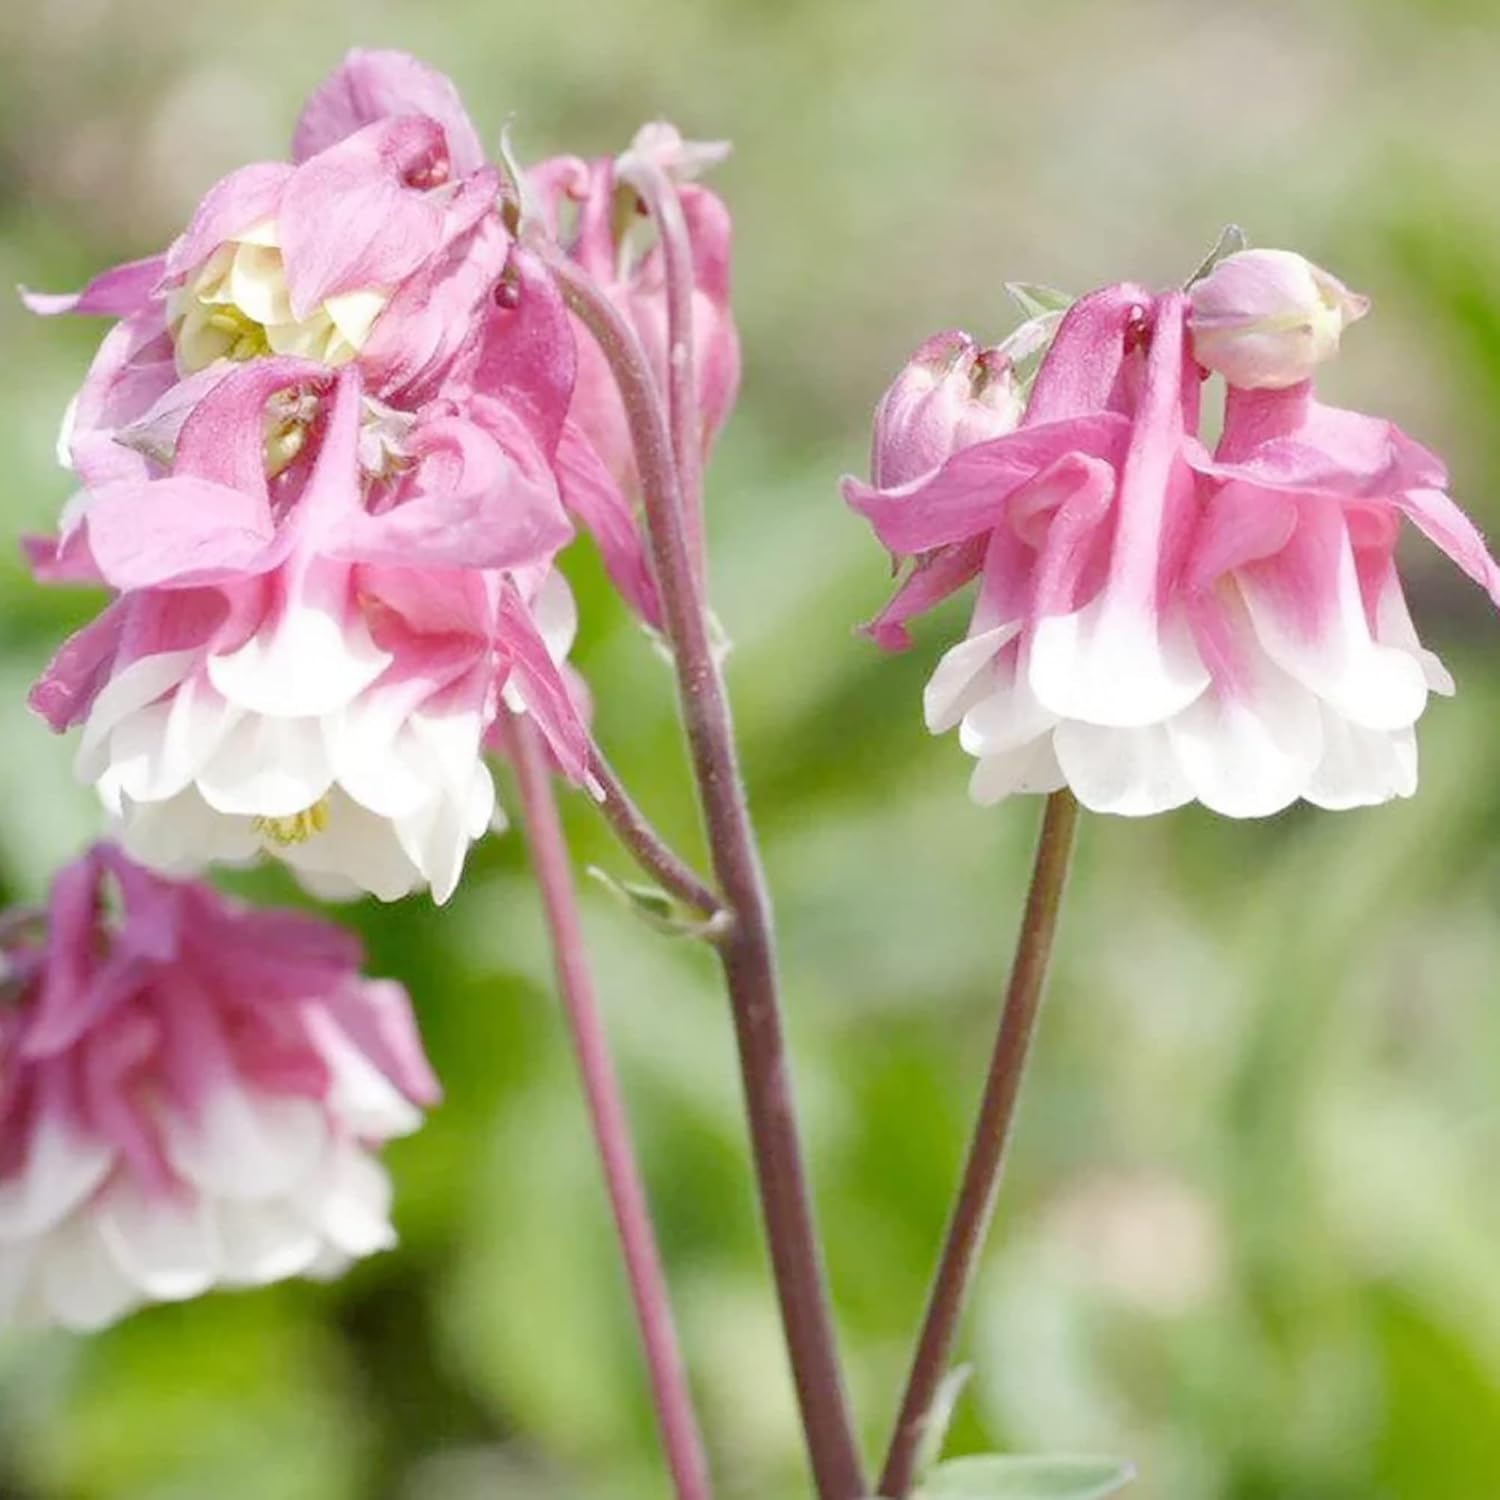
x=1252, y=1226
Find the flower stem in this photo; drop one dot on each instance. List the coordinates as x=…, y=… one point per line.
x=981, y=1180
x=651, y=851
x=627, y=1195
x=747, y=951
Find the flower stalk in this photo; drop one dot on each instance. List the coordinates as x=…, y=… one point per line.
x=981, y=1180
x=747, y=951
x=678, y=1422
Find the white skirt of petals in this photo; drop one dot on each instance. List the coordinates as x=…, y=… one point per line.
x=267, y=1187
x=1330, y=721
x=355, y=788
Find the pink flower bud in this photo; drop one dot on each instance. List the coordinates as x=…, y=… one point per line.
x=1265, y=319
x=951, y=395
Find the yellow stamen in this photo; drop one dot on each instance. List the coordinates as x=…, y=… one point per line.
x=296, y=829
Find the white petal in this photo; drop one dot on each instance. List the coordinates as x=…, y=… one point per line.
x=1394, y=627
x=375, y=761
x=1107, y=664
x=960, y=679
x=1379, y=687
x=1362, y=767
x=131, y=688
x=267, y=767
x=63, y=1166
x=81, y=1286
x=18, y=1288
x=1131, y=772
x=258, y=1243
x=257, y=284
x=1026, y=768
x=243, y=1144
x=351, y=1203
x=356, y=848
x=185, y=834
x=310, y=661
x=363, y=1099
x=555, y=614
x=1009, y=715
x=161, y=1244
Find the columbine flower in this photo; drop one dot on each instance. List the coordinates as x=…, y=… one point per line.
x=380, y=243
x=1156, y=624
x=191, y=1095
x=591, y=209
x=307, y=664
x=1266, y=319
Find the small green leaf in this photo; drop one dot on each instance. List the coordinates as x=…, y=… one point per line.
x=1034, y=300
x=1232, y=239
x=657, y=909
x=940, y=1416
x=1028, y=1478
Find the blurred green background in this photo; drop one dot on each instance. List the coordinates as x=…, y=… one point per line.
x=1252, y=1227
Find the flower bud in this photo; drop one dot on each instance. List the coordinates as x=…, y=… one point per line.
x=1265, y=319
x=951, y=395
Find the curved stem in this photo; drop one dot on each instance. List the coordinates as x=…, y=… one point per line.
x=663, y=204
x=981, y=1180
x=651, y=851
x=607, y=1115
x=747, y=952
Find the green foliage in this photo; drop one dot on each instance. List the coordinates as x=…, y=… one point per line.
x=1028, y=1478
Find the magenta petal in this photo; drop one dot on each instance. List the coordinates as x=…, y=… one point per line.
x=349, y=218
x=528, y=354
x=1240, y=524
x=371, y=85
x=1084, y=370
x=177, y=532
x=115, y=294
x=933, y=579
x=590, y=493
x=968, y=494
x=541, y=687
x=482, y=496
x=232, y=205
x=222, y=439
x=1448, y=528
x=66, y=690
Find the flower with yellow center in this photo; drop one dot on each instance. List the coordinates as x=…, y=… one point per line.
x=237, y=307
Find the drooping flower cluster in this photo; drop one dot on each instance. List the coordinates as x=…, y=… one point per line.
x=1158, y=622
x=191, y=1095
x=319, y=457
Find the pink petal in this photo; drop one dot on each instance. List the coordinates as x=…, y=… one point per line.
x=1085, y=368
x=371, y=85
x=349, y=220
x=541, y=687
x=66, y=690
x=589, y=493
x=116, y=293
x=232, y=205
x=934, y=578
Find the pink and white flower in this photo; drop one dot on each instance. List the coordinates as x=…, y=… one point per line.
x=1157, y=624
x=590, y=207
x=192, y=1095
x=306, y=664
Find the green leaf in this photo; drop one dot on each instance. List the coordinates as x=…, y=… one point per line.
x=1232, y=239
x=656, y=908
x=1034, y=301
x=940, y=1416
x=1028, y=1478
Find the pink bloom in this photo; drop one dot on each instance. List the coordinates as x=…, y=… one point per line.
x=1266, y=319
x=192, y=1095
x=580, y=204
x=306, y=664
x=1156, y=624
x=381, y=243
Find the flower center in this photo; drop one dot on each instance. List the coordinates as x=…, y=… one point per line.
x=237, y=307
x=296, y=829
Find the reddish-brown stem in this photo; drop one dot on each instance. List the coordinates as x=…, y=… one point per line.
x=652, y=852
x=607, y=1116
x=981, y=1180
x=685, y=422
x=747, y=951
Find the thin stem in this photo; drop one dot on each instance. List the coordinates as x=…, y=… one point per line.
x=651, y=851
x=611, y=1126
x=981, y=1180
x=665, y=206
x=747, y=952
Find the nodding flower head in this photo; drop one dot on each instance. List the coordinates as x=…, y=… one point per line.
x=1266, y=319
x=1158, y=623
x=192, y=1095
